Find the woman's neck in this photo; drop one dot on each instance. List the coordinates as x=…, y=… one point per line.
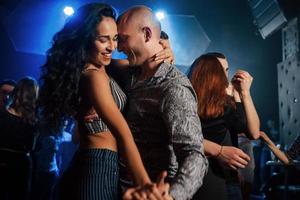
x=90, y=66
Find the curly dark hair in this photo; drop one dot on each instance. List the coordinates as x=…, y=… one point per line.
x=71, y=47
x=23, y=99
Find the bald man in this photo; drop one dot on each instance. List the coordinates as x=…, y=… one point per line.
x=162, y=107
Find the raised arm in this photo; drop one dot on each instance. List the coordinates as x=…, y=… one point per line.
x=242, y=81
x=103, y=102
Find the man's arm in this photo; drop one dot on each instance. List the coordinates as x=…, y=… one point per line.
x=179, y=111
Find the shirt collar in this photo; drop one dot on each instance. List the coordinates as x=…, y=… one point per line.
x=162, y=70
x=160, y=73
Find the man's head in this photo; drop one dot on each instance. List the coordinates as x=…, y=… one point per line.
x=6, y=87
x=139, y=34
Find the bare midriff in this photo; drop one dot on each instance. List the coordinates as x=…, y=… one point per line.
x=101, y=140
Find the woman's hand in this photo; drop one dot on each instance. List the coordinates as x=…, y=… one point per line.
x=166, y=54
x=242, y=81
x=233, y=157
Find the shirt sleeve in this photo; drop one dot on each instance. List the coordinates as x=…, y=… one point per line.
x=179, y=112
x=294, y=150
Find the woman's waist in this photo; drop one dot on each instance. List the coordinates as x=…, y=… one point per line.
x=100, y=140
x=96, y=153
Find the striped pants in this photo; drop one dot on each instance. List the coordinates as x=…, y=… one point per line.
x=92, y=175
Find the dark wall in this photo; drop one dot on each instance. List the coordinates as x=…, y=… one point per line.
x=15, y=65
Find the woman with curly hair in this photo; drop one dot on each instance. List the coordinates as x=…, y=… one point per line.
x=75, y=84
x=17, y=136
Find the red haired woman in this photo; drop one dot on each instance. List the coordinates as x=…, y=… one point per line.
x=225, y=110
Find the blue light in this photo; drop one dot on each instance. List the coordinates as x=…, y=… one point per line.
x=68, y=11
x=160, y=15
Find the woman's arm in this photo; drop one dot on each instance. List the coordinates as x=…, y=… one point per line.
x=231, y=156
x=242, y=81
x=103, y=102
x=277, y=152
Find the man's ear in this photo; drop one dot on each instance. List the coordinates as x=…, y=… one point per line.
x=147, y=33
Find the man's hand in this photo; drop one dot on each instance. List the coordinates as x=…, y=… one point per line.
x=153, y=191
x=147, y=192
x=133, y=193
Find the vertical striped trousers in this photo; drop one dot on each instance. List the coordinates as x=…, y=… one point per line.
x=92, y=175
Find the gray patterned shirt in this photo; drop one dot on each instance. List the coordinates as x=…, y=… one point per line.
x=162, y=115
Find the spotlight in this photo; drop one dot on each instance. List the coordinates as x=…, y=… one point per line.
x=160, y=15
x=68, y=11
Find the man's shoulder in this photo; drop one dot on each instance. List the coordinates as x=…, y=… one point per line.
x=176, y=77
x=179, y=89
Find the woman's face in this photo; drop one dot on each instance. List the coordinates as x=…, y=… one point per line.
x=224, y=64
x=105, y=42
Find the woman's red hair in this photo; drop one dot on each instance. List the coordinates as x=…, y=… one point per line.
x=210, y=82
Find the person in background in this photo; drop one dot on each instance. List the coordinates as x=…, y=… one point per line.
x=67, y=147
x=286, y=157
x=46, y=171
x=6, y=87
x=289, y=158
x=17, y=140
x=225, y=109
